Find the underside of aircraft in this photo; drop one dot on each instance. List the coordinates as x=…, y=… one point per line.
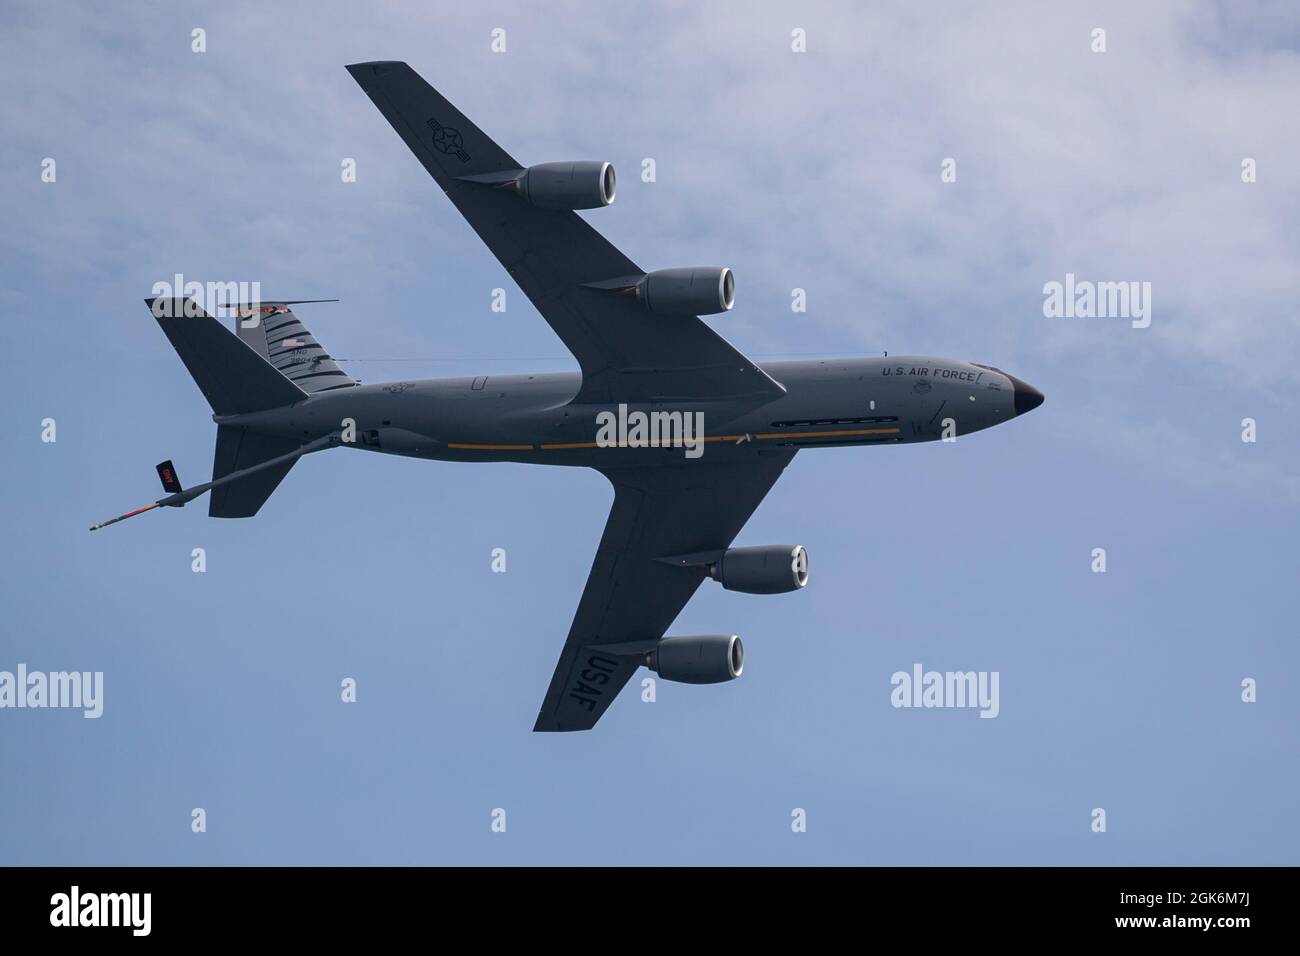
x=691, y=433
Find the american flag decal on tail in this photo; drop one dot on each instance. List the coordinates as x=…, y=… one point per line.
x=280, y=337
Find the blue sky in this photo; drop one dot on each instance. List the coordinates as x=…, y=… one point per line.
x=818, y=171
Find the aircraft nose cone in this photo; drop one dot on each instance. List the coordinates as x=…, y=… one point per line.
x=1026, y=397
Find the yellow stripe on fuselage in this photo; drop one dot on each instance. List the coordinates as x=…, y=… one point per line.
x=766, y=436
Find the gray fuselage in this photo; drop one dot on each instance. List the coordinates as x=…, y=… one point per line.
x=531, y=418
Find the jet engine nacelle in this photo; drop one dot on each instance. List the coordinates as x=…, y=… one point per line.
x=710, y=659
x=768, y=569
x=702, y=290
x=582, y=185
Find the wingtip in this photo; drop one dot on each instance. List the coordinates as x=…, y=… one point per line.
x=543, y=725
x=374, y=67
x=550, y=725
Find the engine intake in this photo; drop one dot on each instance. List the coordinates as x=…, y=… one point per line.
x=711, y=659
x=768, y=569
x=702, y=290
x=580, y=185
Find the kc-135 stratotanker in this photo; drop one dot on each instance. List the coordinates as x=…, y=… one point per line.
x=690, y=432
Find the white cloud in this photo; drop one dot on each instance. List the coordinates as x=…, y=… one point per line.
x=819, y=170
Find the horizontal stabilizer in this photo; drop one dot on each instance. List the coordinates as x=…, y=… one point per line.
x=237, y=450
x=233, y=377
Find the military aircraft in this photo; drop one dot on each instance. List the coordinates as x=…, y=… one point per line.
x=690, y=432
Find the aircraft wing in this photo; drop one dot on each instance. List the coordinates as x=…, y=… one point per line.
x=633, y=597
x=625, y=353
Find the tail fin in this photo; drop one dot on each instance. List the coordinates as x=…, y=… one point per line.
x=238, y=448
x=274, y=332
x=233, y=377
